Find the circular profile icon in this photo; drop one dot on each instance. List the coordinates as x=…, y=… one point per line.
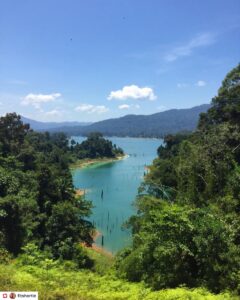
x=12, y=296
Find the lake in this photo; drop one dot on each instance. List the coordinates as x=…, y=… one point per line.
x=113, y=187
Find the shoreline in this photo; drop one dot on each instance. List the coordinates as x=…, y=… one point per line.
x=97, y=248
x=96, y=233
x=85, y=163
x=79, y=192
x=101, y=250
x=123, y=137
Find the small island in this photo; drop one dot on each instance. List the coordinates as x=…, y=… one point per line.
x=95, y=150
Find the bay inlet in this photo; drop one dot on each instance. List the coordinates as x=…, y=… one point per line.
x=112, y=187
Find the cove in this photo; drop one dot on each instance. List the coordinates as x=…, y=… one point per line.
x=113, y=187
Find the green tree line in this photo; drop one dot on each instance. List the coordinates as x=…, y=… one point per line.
x=187, y=227
x=95, y=146
x=37, y=199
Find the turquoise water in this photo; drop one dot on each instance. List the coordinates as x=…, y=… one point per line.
x=118, y=182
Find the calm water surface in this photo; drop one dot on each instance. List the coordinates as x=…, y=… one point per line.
x=113, y=187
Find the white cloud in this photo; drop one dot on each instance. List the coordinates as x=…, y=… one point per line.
x=133, y=92
x=89, y=108
x=182, y=85
x=201, y=40
x=54, y=113
x=37, y=99
x=201, y=83
x=124, y=106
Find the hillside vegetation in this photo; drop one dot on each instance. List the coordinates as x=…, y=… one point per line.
x=96, y=146
x=84, y=285
x=55, y=280
x=187, y=229
x=37, y=198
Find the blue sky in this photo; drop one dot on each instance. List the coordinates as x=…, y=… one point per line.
x=96, y=59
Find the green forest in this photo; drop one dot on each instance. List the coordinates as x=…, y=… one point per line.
x=95, y=146
x=187, y=228
x=186, y=232
x=155, y=125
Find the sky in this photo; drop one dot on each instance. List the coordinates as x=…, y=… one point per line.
x=76, y=60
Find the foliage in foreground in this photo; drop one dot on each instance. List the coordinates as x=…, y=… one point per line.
x=54, y=282
x=37, y=197
x=187, y=230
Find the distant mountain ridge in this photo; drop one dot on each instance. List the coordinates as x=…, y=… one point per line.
x=155, y=125
x=38, y=125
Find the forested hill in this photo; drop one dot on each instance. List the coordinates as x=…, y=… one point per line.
x=155, y=125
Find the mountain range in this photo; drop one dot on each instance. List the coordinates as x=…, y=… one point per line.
x=155, y=125
x=41, y=126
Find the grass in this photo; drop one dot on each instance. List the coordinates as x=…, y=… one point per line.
x=102, y=263
x=62, y=283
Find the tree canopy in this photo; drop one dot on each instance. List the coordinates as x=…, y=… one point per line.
x=37, y=198
x=186, y=230
x=96, y=146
